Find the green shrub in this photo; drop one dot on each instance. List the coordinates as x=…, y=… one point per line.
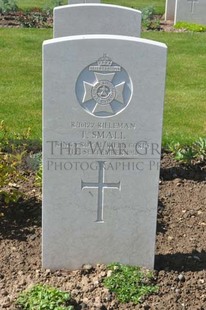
x=34, y=162
x=12, y=153
x=35, y=19
x=13, y=142
x=186, y=154
x=7, y=6
x=130, y=284
x=190, y=27
x=9, y=176
x=48, y=8
x=200, y=147
x=43, y=297
x=38, y=178
x=149, y=21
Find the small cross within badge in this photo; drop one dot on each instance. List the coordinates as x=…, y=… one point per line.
x=101, y=186
x=193, y=2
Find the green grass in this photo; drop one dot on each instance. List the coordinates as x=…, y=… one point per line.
x=138, y=4
x=20, y=79
x=185, y=103
x=29, y=4
x=190, y=27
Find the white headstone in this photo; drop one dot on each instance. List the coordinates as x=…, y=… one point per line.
x=96, y=19
x=192, y=11
x=103, y=105
x=83, y=1
x=170, y=9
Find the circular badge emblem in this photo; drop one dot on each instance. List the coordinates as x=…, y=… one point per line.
x=104, y=88
x=103, y=92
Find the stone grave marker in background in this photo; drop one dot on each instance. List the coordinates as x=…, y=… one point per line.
x=192, y=11
x=96, y=19
x=83, y=1
x=170, y=9
x=103, y=107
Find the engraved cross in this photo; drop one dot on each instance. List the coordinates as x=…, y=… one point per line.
x=193, y=2
x=101, y=186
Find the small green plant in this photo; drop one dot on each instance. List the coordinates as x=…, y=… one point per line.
x=48, y=8
x=149, y=21
x=43, y=297
x=148, y=13
x=9, y=176
x=182, y=153
x=130, y=284
x=13, y=142
x=186, y=154
x=190, y=27
x=12, y=152
x=34, y=162
x=35, y=19
x=7, y=6
x=200, y=147
x=38, y=178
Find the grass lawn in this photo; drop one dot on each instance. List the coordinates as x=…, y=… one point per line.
x=185, y=104
x=159, y=5
x=185, y=101
x=138, y=4
x=28, y=4
x=20, y=79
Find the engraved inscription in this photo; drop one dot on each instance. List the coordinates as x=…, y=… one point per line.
x=104, y=88
x=193, y=2
x=103, y=125
x=100, y=185
x=66, y=149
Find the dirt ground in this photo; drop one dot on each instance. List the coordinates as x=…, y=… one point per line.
x=180, y=263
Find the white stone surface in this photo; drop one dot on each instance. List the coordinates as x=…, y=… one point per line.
x=103, y=107
x=192, y=11
x=170, y=9
x=96, y=19
x=83, y=1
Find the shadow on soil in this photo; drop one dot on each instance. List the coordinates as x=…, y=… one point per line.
x=161, y=226
x=195, y=261
x=18, y=219
x=196, y=172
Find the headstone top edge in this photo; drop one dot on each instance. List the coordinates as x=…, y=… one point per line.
x=103, y=37
x=70, y=6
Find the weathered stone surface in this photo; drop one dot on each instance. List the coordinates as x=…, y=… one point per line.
x=192, y=11
x=103, y=106
x=170, y=9
x=96, y=19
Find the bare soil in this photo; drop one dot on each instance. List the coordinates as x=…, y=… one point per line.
x=180, y=262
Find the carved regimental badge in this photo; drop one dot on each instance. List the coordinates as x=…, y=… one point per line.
x=104, y=88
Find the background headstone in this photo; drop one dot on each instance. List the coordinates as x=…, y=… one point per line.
x=83, y=1
x=103, y=105
x=170, y=9
x=192, y=11
x=96, y=19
